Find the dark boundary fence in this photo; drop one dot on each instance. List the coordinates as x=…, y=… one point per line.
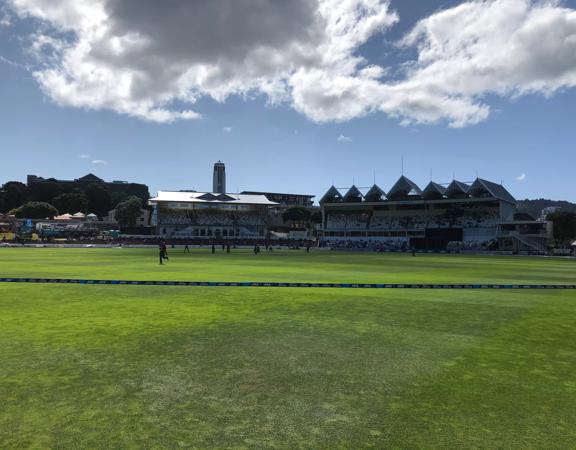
x=286, y=285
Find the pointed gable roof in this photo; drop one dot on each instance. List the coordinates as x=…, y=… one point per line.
x=404, y=187
x=193, y=197
x=331, y=196
x=495, y=190
x=478, y=189
x=375, y=194
x=224, y=198
x=433, y=191
x=457, y=188
x=210, y=197
x=90, y=178
x=353, y=195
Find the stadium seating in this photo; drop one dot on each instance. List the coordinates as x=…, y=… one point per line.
x=470, y=245
x=348, y=221
x=211, y=222
x=373, y=245
x=471, y=218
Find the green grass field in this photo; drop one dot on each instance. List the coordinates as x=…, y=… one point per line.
x=105, y=367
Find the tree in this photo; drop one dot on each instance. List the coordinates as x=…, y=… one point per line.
x=316, y=217
x=46, y=191
x=35, y=210
x=564, y=224
x=296, y=215
x=71, y=203
x=99, y=201
x=119, y=197
x=535, y=207
x=13, y=195
x=128, y=211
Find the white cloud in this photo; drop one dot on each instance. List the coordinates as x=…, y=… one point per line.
x=227, y=130
x=5, y=21
x=152, y=61
x=84, y=156
x=505, y=47
x=521, y=177
x=99, y=161
x=11, y=63
x=343, y=138
x=5, y=17
x=140, y=57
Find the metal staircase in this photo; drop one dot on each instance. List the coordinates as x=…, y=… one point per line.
x=534, y=244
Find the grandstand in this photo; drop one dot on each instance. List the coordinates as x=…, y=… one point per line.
x=206, y=215
x=476, y=216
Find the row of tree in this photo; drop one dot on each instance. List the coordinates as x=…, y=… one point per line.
x=126, y=212
x=93, y=198
x=564, y=223
x=534, y=207
x=301, y=217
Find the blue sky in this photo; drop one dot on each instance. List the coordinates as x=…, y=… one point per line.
x=303, y=142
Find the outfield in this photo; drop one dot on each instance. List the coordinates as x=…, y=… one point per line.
x=159, y=366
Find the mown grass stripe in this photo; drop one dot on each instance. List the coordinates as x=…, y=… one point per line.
x=291, y=285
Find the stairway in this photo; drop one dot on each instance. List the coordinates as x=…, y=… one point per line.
x=535, y=244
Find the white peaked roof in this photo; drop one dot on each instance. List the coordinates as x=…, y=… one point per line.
x=79, y=215
x=210, y=198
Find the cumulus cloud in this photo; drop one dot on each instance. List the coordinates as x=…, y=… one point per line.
x=99, y=161
x=154, y=60
x=141, y=57
x=505, y=47
x=521, y=177
x=84, y=156
x=343, y=138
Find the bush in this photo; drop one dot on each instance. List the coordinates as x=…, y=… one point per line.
x=35, y=210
